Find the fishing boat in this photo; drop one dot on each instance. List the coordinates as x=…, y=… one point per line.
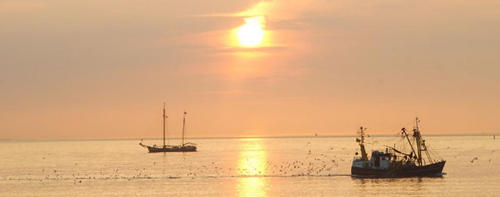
x=183, y=147
x=395, y=161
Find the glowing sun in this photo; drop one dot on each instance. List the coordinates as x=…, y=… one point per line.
x=251, y=34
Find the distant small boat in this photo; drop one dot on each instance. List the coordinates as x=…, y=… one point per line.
x=396, y=163
x=184, y=147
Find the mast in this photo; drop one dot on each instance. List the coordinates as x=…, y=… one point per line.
x=164, y=117
x=361, y=141
x=418, y=138
x=403, y=130
x=183, y=128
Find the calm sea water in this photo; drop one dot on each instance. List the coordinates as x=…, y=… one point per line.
x=316, y=166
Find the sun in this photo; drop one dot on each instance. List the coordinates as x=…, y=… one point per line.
x=251, y=34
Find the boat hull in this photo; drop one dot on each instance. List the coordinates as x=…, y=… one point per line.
x=172, y=149
x=427, y=170
x=367, y=172
x=405, y=171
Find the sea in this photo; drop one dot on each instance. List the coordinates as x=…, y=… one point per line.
x=271, y=166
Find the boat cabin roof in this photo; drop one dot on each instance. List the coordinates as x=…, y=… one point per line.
x=379, y=153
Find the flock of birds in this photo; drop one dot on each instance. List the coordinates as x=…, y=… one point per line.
x=313, y=163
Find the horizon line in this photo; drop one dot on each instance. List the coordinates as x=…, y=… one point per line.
x=247, y=137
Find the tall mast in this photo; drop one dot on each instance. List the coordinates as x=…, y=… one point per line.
x=183, y=127
x=361, y=141
x=164, y=117
x=416, y=134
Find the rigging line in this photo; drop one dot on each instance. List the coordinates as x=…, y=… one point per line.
x=428, y=156
x=157, y=123
x=156, y=130
x=185, y=131
x=393, y=138
x=153, y=134
x=150, y=133
x=434, y=153
x=151, y=125
x=433, y=159
x=173, y=131
x=396, y=128
x=427, y=151
x=166, y=132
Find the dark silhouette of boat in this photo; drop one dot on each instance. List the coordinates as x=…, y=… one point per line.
x=184, y=147
x=188, y=147
x=395, y=163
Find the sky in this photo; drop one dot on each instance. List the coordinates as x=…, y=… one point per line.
x=92, y=69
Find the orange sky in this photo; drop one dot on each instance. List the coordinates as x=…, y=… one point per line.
x=102, y=69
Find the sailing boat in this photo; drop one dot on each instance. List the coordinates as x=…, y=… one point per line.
x=184, y=147
x=396, y=163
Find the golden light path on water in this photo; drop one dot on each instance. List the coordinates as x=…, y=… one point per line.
x=252, y=162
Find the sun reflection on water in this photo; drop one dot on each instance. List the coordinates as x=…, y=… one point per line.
x=252, y=163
